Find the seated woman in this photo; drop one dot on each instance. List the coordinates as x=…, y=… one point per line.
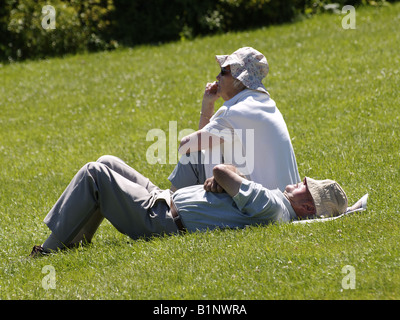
x=248, y=130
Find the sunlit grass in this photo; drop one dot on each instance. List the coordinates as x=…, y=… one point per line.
x=338, y=92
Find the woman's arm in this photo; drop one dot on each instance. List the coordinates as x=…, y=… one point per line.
x=199, y=140
x=207, y=106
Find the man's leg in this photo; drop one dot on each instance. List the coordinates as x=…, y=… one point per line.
x=119, y=166
x=96, y=192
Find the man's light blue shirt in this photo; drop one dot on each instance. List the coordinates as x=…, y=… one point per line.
x=252, y=205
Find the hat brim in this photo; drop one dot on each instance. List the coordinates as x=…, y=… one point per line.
x=221, y=59
x=313, y=187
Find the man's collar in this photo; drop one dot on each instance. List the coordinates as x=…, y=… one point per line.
x=287, y=204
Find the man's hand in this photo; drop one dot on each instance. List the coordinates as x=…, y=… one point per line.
x=226, y=178
x=212, y=185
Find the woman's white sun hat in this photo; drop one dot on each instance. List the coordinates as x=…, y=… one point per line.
x=248, y=66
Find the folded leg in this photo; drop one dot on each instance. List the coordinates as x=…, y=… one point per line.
x=189, y=171
x=119, y=166
x=96, y=192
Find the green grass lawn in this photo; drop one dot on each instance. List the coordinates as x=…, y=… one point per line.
x=339, y=93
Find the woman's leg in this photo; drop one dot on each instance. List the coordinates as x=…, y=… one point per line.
x=189, y=171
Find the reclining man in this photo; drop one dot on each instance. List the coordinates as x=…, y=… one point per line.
x=111, y=189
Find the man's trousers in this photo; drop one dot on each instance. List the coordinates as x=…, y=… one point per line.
x=110, y=189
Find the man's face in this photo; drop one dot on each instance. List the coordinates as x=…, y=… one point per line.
x=297, y=191
x=300, y=198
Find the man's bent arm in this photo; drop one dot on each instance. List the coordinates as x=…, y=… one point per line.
x=228, y=177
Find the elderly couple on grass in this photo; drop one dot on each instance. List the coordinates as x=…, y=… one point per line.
x=223, y=193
